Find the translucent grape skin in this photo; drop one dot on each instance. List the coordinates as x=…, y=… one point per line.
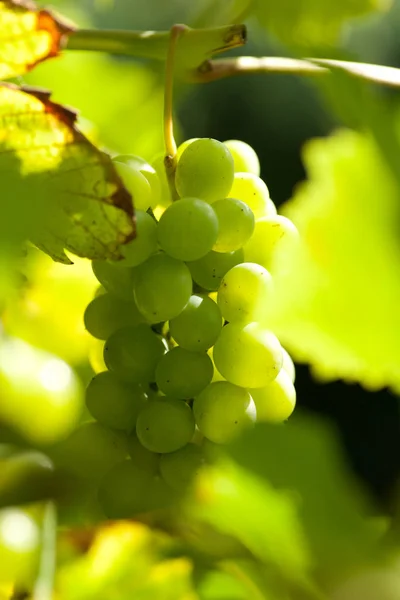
x=209, y=270
x=183, y=374
x=114, y=403
x=147, y=170
x=143, y=245
x=199, y=324
x=235, y=224
x=205, y=171
x=106, y=313
x=182, y=147
x=276, y=401
x=127, y=490
x=90, y=451
x=116, y=281
x=132, y=353
x=165, y=425
x=162, y=289
x=136, y=184
x=222, y=410
x=251, y=190
x=244, y=157
x=244, y=293
x=248, y=356
x=188, y=229
x=179, y=468
x=288, y=365
x=270, y=235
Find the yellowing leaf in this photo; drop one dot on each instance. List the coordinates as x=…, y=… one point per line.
x=58, y=189
x=27, y=36
x=339, y=292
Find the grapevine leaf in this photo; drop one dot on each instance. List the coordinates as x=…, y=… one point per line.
x=338, y=292
x=311, y=22
x=28, y=36
x=58, y=189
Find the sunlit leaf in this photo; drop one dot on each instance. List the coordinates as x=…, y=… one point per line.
x=28, y=36
x=338, y=293
x=311, y=21
x=58, y=189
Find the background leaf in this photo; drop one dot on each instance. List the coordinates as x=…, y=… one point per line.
x=28, y=36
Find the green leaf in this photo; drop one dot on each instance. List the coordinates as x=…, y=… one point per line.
x=311, y=22
x=57, y=188
x=338, y=292
x=302, y=458
x=28, y=36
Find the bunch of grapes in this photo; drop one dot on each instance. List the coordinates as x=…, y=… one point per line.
x=189, y=358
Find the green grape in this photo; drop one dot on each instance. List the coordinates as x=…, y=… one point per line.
x=288, y=365
x=116, y=281
x=244, y=293
x=126, y=491
x=106, y=313
x=251, y=190
x=244, y=157
x=142, y=458
x=139, y=164
x=270, y=235
x=222, y=410
x=235, y=224
x=188, y=229
x=90, y=451
x=182, y=373
x=182, y=147
x=212, y=451
x=20, y=539
x=132, y=353
x=249, y=356
x=276, y=401
x=209, y=270
x=163, y=287
x=165, y=425
x=136, y=184
x=114, y=403
x=138, y=250
x=270, y=209
x=199, y=324
x=205, y=170
x=179, y=468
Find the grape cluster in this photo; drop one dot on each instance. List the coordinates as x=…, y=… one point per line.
x=189, y=359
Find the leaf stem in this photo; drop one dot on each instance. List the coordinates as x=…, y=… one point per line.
x=177, y=31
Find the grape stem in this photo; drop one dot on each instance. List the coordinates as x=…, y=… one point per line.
x=44, y=586
x=170, y=145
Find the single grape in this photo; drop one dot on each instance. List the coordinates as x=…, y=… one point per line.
x=205, y=170
x=235, y=224
x=222, y=410
x=139, y=164
x=116, y=281
x=126, y=491
x=106, y=313
x=163, y=287
x=136, y=184
x=180, y=468
x=271, y=234
x=138, y=250
x=132, y=353
x=114, y=403
x=251, y=190
x=244, y=293
x=249, y=356
x=244, y=157
x=182, y=373
x=141, y=457
x=288, y=365
x=209, y=270
x=276, y=401
x=188, y=229
x=182, y=147
x=199, y=324
x=90, y=451
x=165, y=425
